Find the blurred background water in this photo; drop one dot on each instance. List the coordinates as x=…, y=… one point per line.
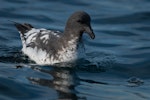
x=117, y=66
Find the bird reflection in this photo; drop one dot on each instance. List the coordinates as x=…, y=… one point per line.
x=64, y=82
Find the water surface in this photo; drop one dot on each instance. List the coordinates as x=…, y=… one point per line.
x=117, y=63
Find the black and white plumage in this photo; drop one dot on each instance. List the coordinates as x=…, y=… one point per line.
x=50, y=47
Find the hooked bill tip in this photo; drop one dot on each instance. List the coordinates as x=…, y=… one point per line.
x=90, y=32
x=92, y=35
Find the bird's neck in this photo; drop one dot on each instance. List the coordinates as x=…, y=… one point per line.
x=71, y=39
x=72, y=34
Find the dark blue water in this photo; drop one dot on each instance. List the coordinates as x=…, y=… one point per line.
x=117, y=66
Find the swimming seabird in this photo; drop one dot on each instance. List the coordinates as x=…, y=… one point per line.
x=49, y=47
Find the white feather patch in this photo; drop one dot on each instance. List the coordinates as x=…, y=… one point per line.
x=42, y=57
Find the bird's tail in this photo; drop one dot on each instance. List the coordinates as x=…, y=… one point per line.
x=22, y=28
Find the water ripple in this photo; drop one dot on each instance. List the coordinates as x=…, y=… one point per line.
x=139, y=17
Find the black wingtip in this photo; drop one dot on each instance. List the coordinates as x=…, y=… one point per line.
x=23, y=28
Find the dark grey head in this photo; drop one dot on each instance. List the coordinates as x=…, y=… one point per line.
x=78, y=23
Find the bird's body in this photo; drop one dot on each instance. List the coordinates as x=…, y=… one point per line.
x=46, y=47
x=50, y=47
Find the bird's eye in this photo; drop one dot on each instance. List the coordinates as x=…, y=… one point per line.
x=80, y=21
